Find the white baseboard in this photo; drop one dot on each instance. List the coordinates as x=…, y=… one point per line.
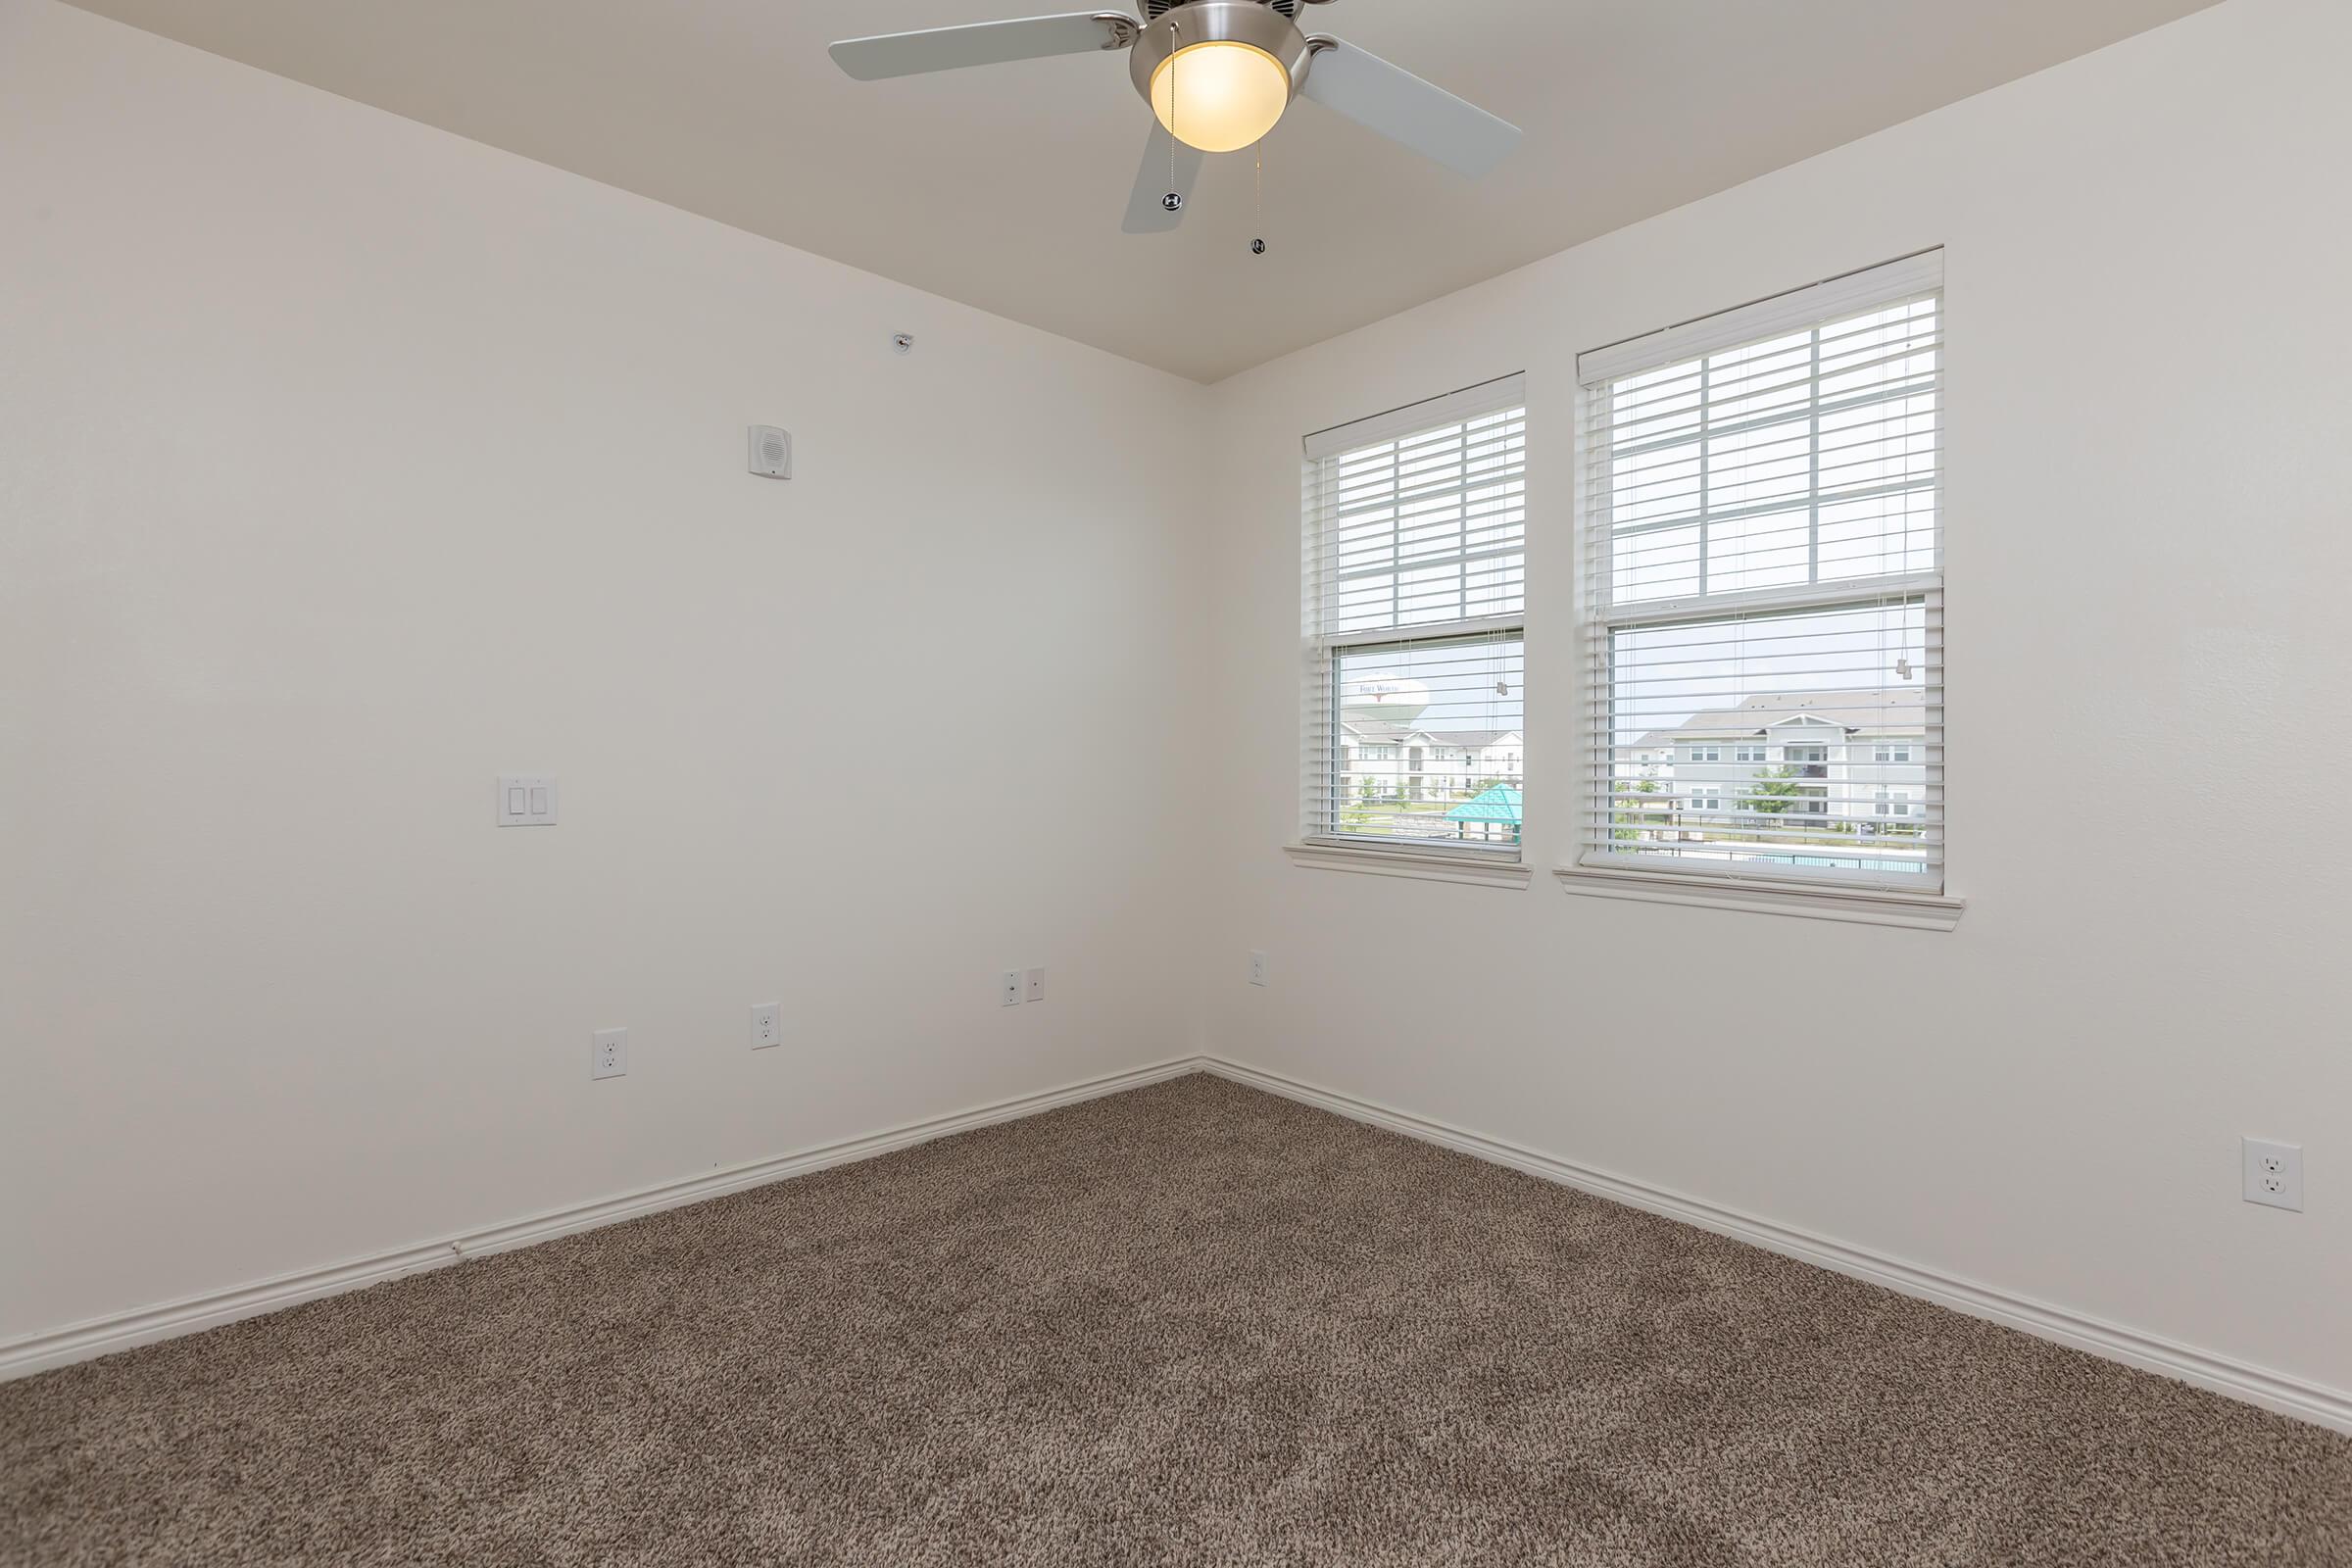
x=99, y=1336
x=2274, y=1391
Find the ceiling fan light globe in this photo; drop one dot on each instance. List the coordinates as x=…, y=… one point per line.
x=1219, y=95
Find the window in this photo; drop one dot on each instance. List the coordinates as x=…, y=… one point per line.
x=1761, y=529
x=1706, y=754
x=1415, y=528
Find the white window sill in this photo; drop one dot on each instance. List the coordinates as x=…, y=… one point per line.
x=1429, y=865
x=1918, y=912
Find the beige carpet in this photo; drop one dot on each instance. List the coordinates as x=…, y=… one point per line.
x=1191, y=1324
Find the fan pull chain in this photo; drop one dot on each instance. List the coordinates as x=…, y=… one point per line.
x=1174, y=199
x=1257, y=202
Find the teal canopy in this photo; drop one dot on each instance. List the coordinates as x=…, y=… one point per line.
x=1499, y=804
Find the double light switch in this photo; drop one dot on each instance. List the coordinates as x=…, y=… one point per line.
x=526, y=800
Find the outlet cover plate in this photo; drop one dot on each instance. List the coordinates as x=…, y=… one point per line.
x=609, y=1053
x=1010, y=987
x=2273, y=1174
x=767, y=1027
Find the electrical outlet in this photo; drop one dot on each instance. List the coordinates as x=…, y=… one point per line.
x=1010, y=987
x=1258, y=967
x=1037, y=985
x=2273, y=1174
x=611, y=1055
x=767, y=1030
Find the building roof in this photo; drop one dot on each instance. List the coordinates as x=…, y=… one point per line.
x=1498, y=803
x=1899, y=712
x=1383, y=732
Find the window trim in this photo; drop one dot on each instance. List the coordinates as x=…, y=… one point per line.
x=1494, y=866
x=1831, y=901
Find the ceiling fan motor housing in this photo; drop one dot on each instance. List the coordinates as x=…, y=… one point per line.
x=1154, y=10
x=1259, y=24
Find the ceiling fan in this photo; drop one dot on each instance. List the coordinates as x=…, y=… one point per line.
x=1218, y=74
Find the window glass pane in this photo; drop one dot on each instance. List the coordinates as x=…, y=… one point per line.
x=1700, y=710
x=1423, y=529
x=1809, y=458
x=1655, y=564
x=1431, y=740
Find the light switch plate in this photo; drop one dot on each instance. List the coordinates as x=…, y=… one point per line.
x=526, y=800
x=1037, y=985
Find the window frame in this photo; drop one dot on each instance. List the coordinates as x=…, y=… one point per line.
x=1606, y=616
x=1324, y=652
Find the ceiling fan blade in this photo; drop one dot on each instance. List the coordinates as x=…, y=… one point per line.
x=1408, y=111
x=1147, y=213
x=986, y=44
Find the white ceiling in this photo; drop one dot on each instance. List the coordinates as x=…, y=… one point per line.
x=1003, y=186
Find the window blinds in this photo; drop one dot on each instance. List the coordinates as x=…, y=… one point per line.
x=1764, y=608
x=1414, y=570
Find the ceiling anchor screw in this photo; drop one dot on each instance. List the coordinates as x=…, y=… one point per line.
x=1257, y=247
x=1173, y=201
x=901, y=342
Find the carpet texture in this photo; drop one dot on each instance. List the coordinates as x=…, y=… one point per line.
x=1189, y=1324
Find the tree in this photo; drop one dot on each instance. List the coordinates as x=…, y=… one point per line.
x=1626, y=819
x=1774, y=792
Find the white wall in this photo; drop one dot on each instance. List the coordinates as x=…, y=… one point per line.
x=345, y=465
x=2148, y=554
